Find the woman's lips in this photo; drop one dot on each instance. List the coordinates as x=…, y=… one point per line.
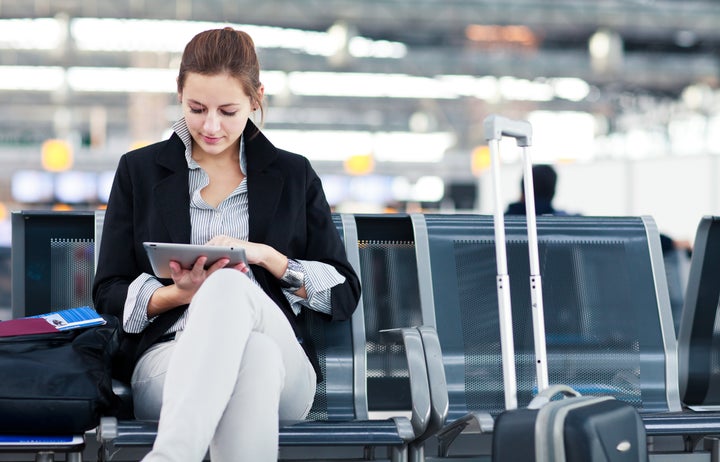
x=211, y=139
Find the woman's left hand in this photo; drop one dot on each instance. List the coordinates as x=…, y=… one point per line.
x=256, y=254
x=253, y=252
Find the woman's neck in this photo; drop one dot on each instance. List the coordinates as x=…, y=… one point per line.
x=230, y=156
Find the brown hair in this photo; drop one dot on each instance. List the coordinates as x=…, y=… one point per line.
x=221, y=51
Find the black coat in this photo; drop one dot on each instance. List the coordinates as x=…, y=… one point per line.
x=150, y=201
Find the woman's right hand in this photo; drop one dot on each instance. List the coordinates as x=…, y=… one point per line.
x=186, y=283
x=190, y=280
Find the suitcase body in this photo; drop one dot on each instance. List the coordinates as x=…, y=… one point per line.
x=580, y=428
x=573, y=428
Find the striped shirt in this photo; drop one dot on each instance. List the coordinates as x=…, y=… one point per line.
x=230, y=218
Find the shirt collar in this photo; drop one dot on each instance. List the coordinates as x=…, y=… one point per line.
x=181, y=129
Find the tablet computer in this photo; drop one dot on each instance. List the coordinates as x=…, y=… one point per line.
x=162, y=253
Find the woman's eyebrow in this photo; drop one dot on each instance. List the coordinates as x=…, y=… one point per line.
x=193, y=101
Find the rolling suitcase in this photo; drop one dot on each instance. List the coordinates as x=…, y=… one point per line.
x=573, y=428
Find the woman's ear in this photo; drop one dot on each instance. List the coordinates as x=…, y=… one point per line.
x=177, y=82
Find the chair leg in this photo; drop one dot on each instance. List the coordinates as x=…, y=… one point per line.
x=416, y=453
x=44, y=456
x=712, y=444
x=368, y=453
x=399, y=454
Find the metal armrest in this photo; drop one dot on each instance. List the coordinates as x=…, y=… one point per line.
x=417, y=370
x=436, y=379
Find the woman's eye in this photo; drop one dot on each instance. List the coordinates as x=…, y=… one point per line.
x=226, y=113
x=195, y=110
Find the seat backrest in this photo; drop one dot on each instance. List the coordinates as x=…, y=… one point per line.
x=607, y=314
x=388, y=272
x=699, y=337
x=52, y=261
x=333, y=342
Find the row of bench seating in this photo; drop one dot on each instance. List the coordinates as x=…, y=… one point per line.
x=424, y=347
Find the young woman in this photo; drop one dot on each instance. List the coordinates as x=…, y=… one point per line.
x=220, y=360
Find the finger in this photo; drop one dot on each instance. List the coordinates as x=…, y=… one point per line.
x=241, y=267
x=221, y=263
x=175, y=270
x=175, y=267
x=199, y=265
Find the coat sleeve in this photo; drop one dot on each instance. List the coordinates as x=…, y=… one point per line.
x=117, y=266
x=324, y=244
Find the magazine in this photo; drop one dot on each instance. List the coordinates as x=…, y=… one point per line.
x=35, y=440
x=72, y=318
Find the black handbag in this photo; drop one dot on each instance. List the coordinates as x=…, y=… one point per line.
x=58, y=383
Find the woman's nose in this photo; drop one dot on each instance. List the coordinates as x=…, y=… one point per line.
x=212, y=122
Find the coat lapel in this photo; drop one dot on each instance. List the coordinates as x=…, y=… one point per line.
x=264, y=182
x=264, y=186
x=171, y=193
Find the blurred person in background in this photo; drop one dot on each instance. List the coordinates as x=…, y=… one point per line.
x=544, y=183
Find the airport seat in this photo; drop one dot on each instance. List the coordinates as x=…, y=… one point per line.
x=51, y=260
x=340, y=418
x=698, y=339
x=698, y=345
x=391, y=299
x=608, y=321
x=607, y=314
x=340, y=414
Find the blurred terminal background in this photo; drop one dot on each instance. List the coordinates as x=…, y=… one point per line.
x=385, y=97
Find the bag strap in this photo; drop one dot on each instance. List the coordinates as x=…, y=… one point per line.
x=158, y=328
x=132, y=346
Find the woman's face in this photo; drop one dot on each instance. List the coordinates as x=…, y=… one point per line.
x=216, y=110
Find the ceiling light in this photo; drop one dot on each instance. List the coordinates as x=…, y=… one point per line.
x=411, y=147
x=339, y=36
x=124, y=80
x=31, y=34
x=32, y=78
x=606, y=51
x=338, y=145
x=367, y=85
x=428, y=189
x=525, y=90
x=108, y=34
x=562, y=135
x=570, y=88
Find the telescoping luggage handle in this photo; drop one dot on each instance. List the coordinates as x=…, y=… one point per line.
x=495, y=128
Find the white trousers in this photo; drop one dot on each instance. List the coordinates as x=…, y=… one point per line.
x=236, y=371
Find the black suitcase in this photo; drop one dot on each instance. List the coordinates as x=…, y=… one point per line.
x=574, y=428
x=580, y=428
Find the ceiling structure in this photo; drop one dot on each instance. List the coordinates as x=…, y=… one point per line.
x=664, y=47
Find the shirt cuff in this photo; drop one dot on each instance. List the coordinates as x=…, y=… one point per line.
x=135, y=317
x=319, y=279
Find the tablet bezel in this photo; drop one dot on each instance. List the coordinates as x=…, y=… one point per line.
x=162, y=253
